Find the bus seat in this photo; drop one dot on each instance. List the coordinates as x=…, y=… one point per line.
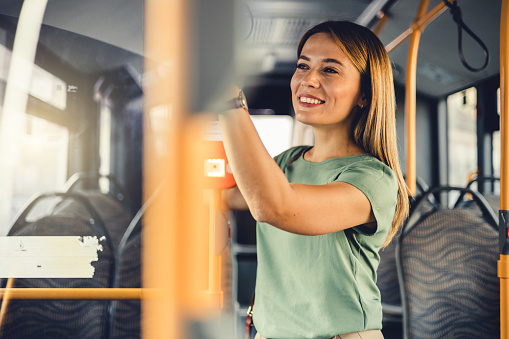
x=80, y=181
x=387, y=276
x=61, y=318
x=114, y=209
x=447, y=266
x=126, y=314
x=387, y=282
x=493, y=199
x=115, y=217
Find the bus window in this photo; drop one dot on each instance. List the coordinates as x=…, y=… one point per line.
x=496, y=150
x=104, y=146
x=41, y=165
x=496, y=159
x=462, y=137
x=275, y=131
x=40, y=161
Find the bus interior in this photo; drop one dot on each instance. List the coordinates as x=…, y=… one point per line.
x=99, y=103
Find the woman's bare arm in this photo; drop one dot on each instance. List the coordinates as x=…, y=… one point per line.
x=233, y=199
x=296, y=208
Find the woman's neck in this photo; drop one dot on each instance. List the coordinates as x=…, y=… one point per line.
x=331, y=145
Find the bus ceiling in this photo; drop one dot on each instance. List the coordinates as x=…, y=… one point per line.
x=270, y=30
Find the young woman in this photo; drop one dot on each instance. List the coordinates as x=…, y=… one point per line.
x=324, y=211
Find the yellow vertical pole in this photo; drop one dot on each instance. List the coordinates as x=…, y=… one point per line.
x=214, y=257
x=5, y=301
x=504, y=92
x=165, y=107
x=410, y=100
x=503, y=263
x=175, y=234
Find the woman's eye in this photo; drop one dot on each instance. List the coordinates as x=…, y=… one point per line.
x=330, y=70
x=302, y=66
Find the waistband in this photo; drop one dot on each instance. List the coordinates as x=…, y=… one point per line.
x=369, y=334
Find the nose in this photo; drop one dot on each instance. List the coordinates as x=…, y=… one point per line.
x=310, y=80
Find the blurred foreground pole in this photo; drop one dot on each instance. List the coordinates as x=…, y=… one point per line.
x=12, y=114
x=503, y=263
x=175, y=224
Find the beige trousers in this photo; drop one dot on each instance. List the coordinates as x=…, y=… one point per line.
x=370, y=334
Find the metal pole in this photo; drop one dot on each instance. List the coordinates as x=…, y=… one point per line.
x=503, y=263
x=418, y=24
x=5, y=300
x=214, y=288
x=410, y=100
x=381, y=24
x=74, y=293
x=164, y=112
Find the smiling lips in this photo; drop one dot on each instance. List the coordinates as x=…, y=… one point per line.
x=308, y=100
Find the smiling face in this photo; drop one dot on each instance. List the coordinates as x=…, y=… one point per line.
x=326, y=85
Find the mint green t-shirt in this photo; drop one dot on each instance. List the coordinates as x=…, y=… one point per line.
x=320, y=286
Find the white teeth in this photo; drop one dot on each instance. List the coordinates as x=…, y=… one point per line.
x=310, y=101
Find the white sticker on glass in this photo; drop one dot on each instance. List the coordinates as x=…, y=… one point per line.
x=49, y=256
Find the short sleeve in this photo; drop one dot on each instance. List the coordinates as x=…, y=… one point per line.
x=379, y=184
x=287, y=156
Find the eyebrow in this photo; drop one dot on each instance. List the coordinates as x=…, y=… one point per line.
x=326, y=60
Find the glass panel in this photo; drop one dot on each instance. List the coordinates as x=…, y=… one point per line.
x=41, y=166
x=104, y=146
x=462, y=137
x=44, y=86
x=496, y=159
x=275, y=132
x=496, y=150
x=35, y=159
x=69, y=107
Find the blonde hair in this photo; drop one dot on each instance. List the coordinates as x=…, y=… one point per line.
x=374, y=126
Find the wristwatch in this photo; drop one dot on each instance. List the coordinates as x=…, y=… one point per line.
x=237, y=102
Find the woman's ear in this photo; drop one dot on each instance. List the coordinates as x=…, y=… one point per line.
x=362, y=101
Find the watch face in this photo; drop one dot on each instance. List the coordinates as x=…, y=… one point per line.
x=237, y=102
x=243, y=100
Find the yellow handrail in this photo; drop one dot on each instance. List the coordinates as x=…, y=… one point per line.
x=418, y=24
x=74, y=293
x=383, y=18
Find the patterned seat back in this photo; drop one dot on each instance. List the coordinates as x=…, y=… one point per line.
x=62, y=318
x=447, y=264
x=387, y=276
x=126, y=314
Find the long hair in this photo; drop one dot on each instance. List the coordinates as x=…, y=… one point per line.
x=374, y=126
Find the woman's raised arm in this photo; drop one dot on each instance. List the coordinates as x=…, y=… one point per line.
x=297, y=208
